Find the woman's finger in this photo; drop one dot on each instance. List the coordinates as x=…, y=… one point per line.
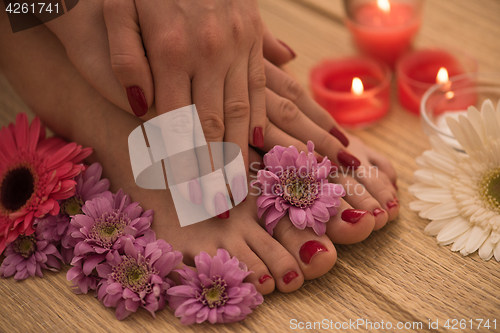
x=276, y=51
x=128, y=58
x=208, y=96
x=257, y=95
x=284, y=85
x=275, y=136
x=172, y=92
x=237, y=121
x=288, y=117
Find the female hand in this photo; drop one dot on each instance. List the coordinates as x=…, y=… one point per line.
x=295, y=118
x=205, y=53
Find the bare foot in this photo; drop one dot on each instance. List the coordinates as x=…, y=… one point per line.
x=72, y=109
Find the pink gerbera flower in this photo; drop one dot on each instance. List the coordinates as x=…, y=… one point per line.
x=27, y=256
x=297, y=184
x=138, y=278
x=34, y=173
x=216, y=292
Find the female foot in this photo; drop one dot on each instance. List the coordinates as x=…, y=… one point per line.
x=72, y=109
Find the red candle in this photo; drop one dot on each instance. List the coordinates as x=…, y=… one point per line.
x=354, y=90
x=419, y=70
x=383, y=29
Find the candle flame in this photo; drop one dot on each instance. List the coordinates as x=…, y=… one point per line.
x=442, y=75
x=357, y=86
x=384, y=5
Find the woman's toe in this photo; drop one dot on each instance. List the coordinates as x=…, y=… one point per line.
x=350, y=225
x=315, y=254
x=261, y=277
x=360, y=198
x=285, y=270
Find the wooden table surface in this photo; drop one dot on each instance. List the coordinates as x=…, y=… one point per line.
x=396, y=275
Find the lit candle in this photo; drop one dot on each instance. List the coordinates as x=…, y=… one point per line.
x=354, y=90
x=383, y=29
x=442, y=76
x=419, y=70
x=357, y=86
x=469, y=89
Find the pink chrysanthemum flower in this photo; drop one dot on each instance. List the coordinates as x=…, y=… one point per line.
x=84, y=275
x=216, y=292
x=34, y=174
x=106, y=222
x=89, y=185
x=138, y=278
x=54, y=228
x=27, y=256
x=297, y=184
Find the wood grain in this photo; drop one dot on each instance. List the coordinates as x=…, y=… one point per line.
x=398, y=274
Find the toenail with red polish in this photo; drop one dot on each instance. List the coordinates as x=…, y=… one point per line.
x=339, y=136
x=391, y=204
x=310, y=249
x=377, y=211
x=221, y=208
x=353, y=215
x=290, y=276
x=348, y=160
x=264, y=278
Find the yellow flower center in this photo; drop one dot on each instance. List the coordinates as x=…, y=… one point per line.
x=214, y=295
x=489, y=189
x=72, y=206
x=25, y=245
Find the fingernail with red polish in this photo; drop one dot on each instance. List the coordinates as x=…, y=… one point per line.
x=137, y=101
x=319, y=159
x=290, y=276
x=377, y=211
x=353, y=215
x=195, y=194
x=309, y=250
x=348, y=160
x=221, y=208
x=238, y=189
x=258, y=137
x=288, y=48
x=391, y=204
x=264, y=278
x=340, y=136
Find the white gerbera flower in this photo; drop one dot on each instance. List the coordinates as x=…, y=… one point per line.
x=459, y=192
